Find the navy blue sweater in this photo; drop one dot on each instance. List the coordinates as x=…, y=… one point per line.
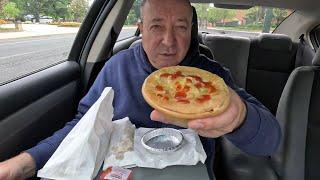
x=125, y=72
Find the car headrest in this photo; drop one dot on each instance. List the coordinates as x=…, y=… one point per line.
x=275, y=42
x=135, y=42
x=316, y=59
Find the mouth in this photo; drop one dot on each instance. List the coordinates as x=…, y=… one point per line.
x=168, y=54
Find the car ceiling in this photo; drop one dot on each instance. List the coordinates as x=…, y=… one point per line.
x=307, y=6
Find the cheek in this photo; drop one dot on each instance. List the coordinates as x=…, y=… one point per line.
x=184, y=43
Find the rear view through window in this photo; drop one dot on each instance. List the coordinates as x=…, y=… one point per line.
x=249, y=22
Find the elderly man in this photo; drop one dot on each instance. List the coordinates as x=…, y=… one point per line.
x=166, y=41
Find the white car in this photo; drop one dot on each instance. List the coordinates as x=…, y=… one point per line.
x=45, y=20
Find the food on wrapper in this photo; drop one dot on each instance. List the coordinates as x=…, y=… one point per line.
x=116, y=173
x=183, y=93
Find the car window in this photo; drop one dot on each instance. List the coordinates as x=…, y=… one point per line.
x=247, y=23
x=37, y=34
x=315, y=37
x=130, y=26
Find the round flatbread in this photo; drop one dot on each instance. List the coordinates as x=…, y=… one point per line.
x=185, y=93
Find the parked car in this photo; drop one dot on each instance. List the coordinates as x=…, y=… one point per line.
x=45, y=19
x=280, y=69
x=29, y=17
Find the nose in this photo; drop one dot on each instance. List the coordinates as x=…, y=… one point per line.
x=169, y=38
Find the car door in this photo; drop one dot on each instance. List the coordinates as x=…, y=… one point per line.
x=35, y=104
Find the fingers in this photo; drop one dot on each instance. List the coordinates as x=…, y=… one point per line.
x=215, y=126
x=157, y=116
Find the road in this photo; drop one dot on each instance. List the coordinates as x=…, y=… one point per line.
x=23, y=55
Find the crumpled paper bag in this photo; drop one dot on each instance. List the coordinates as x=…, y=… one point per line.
x=81, y=153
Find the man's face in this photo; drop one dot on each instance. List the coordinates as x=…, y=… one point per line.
x=166, y=31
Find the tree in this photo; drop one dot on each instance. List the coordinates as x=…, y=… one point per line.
x=280, y=15
x=220, y=15
x=131, y=18
x=10, y=11
x=78, y=9
x=57, y=9
x=136, y=8
x=34, y=7
x=267, y=20
x=202, y=12
x=2, y=3
x=255, y=15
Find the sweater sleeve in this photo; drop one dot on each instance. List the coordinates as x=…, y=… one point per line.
x=45, y=148
x=260, y=132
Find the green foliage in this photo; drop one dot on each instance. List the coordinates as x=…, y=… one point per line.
x=254, y=15
x=207, y=13
x=220, y=15
x=280, y=14
x=267, y=20
x=57, y=9
x=78, y=9
x=131, y=18
x=136, y=8
x=10, y=11
x=2, y=4
x=202, y=13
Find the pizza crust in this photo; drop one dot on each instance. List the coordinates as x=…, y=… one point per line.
x=161, y=93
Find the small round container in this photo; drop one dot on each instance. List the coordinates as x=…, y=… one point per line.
x=162, y=140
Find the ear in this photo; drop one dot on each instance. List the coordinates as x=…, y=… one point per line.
x=140, y=26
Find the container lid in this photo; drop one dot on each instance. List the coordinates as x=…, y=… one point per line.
x=162, y=140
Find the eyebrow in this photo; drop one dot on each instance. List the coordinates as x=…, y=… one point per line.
x=156, y=20
x=183, y=20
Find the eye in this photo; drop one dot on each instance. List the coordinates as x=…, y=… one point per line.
x=182, y=28
x=155, y=27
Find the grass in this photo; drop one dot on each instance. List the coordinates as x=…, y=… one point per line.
x=8, y=30
x=66, y=24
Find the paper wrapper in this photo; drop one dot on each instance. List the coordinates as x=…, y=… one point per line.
x=80, y=155
x=190, y=153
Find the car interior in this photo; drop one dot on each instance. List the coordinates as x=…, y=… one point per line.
x=279, y=69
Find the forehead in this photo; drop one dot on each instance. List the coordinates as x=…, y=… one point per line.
x=167, y=9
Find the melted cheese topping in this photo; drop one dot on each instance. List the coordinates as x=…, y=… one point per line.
x=183, y=88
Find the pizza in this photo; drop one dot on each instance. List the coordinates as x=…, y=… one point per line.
x=185, y=93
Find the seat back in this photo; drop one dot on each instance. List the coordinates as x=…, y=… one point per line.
x=299, y=117
x=271, y=60
x=232, y=52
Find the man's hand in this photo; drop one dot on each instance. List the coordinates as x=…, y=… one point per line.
x=19, y=167
x=215, y=126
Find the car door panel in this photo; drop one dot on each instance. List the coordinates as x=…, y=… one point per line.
x=33, y=107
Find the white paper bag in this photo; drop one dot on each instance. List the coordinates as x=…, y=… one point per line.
x=81, y=153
